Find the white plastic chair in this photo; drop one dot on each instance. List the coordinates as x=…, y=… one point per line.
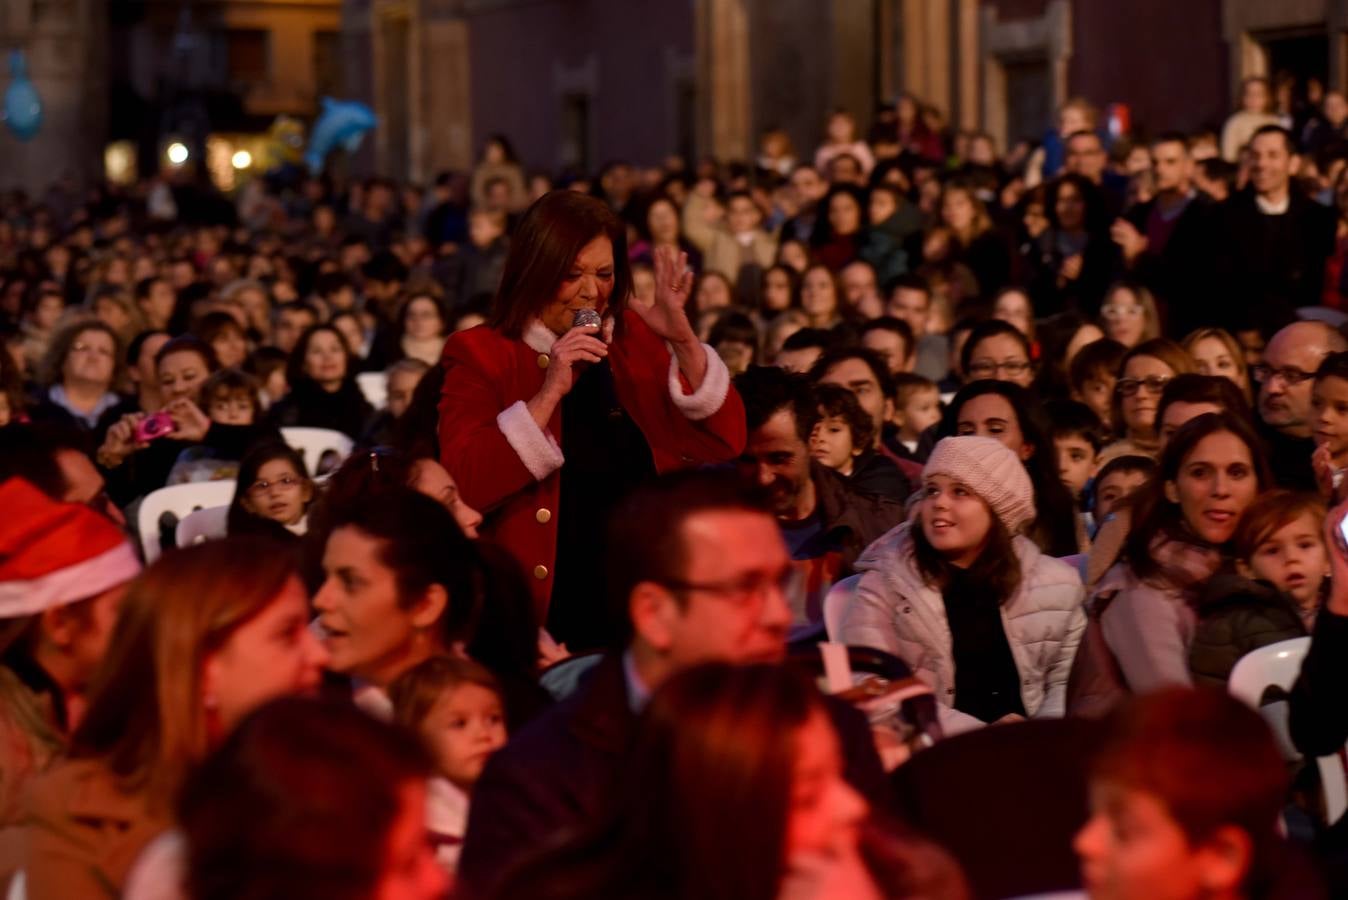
x=1277, y=665
x=312, y=443
x=203, y=525
x=836, y=601
x=374, y=385
x=181, y=500
x=18, y=886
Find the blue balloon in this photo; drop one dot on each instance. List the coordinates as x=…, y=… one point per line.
x=23, y=107
x=341, y=122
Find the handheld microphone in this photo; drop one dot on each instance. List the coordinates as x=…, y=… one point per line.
x=587, y=317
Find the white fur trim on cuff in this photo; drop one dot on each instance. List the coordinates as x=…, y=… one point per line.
x=85, y=579
x=537, y=449
x=707, y=399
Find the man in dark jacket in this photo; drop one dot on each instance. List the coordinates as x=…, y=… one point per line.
x=826, y=522
x=698, y=565
x=1272, y=243
x=1166, y=242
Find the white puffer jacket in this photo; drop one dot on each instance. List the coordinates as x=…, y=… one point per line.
x=896, y=611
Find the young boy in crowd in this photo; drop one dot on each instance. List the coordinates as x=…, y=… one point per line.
x=842, y=438
x=1092, y=375
x=456, y=707
x=229, y=398
x=917, y=407
x=1185, y=798
x=1329, y=414
x=1078, y=436
x=1280, y=540
x=1116, y=481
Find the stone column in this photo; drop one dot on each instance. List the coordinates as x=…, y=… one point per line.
x=723, y=79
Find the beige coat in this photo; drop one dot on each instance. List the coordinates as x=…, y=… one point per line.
x=84, y=832
x=897, y=611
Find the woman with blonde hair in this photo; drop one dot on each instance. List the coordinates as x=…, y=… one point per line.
x=1129, y=314
x=1216, y=352
x=205, y=635
x=974, y=241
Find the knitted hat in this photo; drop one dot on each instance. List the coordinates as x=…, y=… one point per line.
x=54, y=553
x=991, y=471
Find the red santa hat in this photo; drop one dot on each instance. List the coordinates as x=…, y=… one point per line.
x=54, y=553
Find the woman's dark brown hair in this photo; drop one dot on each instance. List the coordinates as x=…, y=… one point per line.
x=550, y=235
x=1154, y=515
x=997, y=566
x=297, y=804
x=703, y=807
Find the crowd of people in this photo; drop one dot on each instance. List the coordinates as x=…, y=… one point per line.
x=1058, y=435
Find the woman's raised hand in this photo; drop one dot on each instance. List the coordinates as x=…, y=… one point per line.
x=673, y=285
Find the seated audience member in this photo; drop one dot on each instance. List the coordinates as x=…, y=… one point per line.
x=862, y=372
x=1145, y=371
x=704, y=806
x=1117, y=481
x=802, y=350
x=1284, y=400
x=1092, y=375
x=64, y=571
x=1005, y=412
x=1060, y=339
x=205, y=635
x=138, y=462
x=1078, y=437
x=698, y=569
x=268, y=366
x=323, y=391
x=1329, y=412
x=917, y=407
x=998, y=351
x=975, y=608
x=456, y=708
x=910, y=300
x=892, y=339
x=143, y=374
x=1189, y=396
x=273, y=494
x=1216, y=352
x=81, y=375
x=233, y=403
x=1180, y=535
x=734, y=337
x=826, y=522
x=1283, y=566
x=291, y=321
x=266, y=816
x=1319, y=718
x=1197, y=778
x=841, y=440
x=402, y=379
x=54, y=459
x=225, y=336
x=1129, y=314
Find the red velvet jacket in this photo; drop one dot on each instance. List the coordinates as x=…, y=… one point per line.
x=510, y=469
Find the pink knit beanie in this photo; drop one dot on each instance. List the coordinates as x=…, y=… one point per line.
x=989, y=469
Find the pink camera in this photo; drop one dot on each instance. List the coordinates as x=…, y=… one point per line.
x=153, y=426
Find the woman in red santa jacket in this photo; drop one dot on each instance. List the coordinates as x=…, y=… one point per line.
x=545, y=426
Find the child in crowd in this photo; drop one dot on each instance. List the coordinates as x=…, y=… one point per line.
x=1329, y=412
x=1092, y=375
x=455, y=706
x=1116, y=481
x=268, y=366
x=274, y=493
x=1185, y=799
x=843, y=431
x=1281, y=540
x=1078, y=436
x=229, y=398
x=917, y=407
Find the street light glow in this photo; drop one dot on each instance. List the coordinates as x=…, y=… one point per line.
x=242, y=159
x=177, y=153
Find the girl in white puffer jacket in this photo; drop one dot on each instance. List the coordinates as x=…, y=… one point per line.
x=975, y=609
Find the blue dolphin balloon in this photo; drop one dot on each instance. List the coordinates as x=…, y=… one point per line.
x=341, y=122
x=23, y=107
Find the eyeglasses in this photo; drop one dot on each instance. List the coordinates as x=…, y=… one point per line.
x=1154, y=384
x=988, y=369
x=1290, y=375
x=81, y=347
x=285, y=482
x=1118, y=311
x=745, y=591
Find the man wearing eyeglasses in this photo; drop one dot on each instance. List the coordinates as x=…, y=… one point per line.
x=1285, y=379
x=698, y=570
